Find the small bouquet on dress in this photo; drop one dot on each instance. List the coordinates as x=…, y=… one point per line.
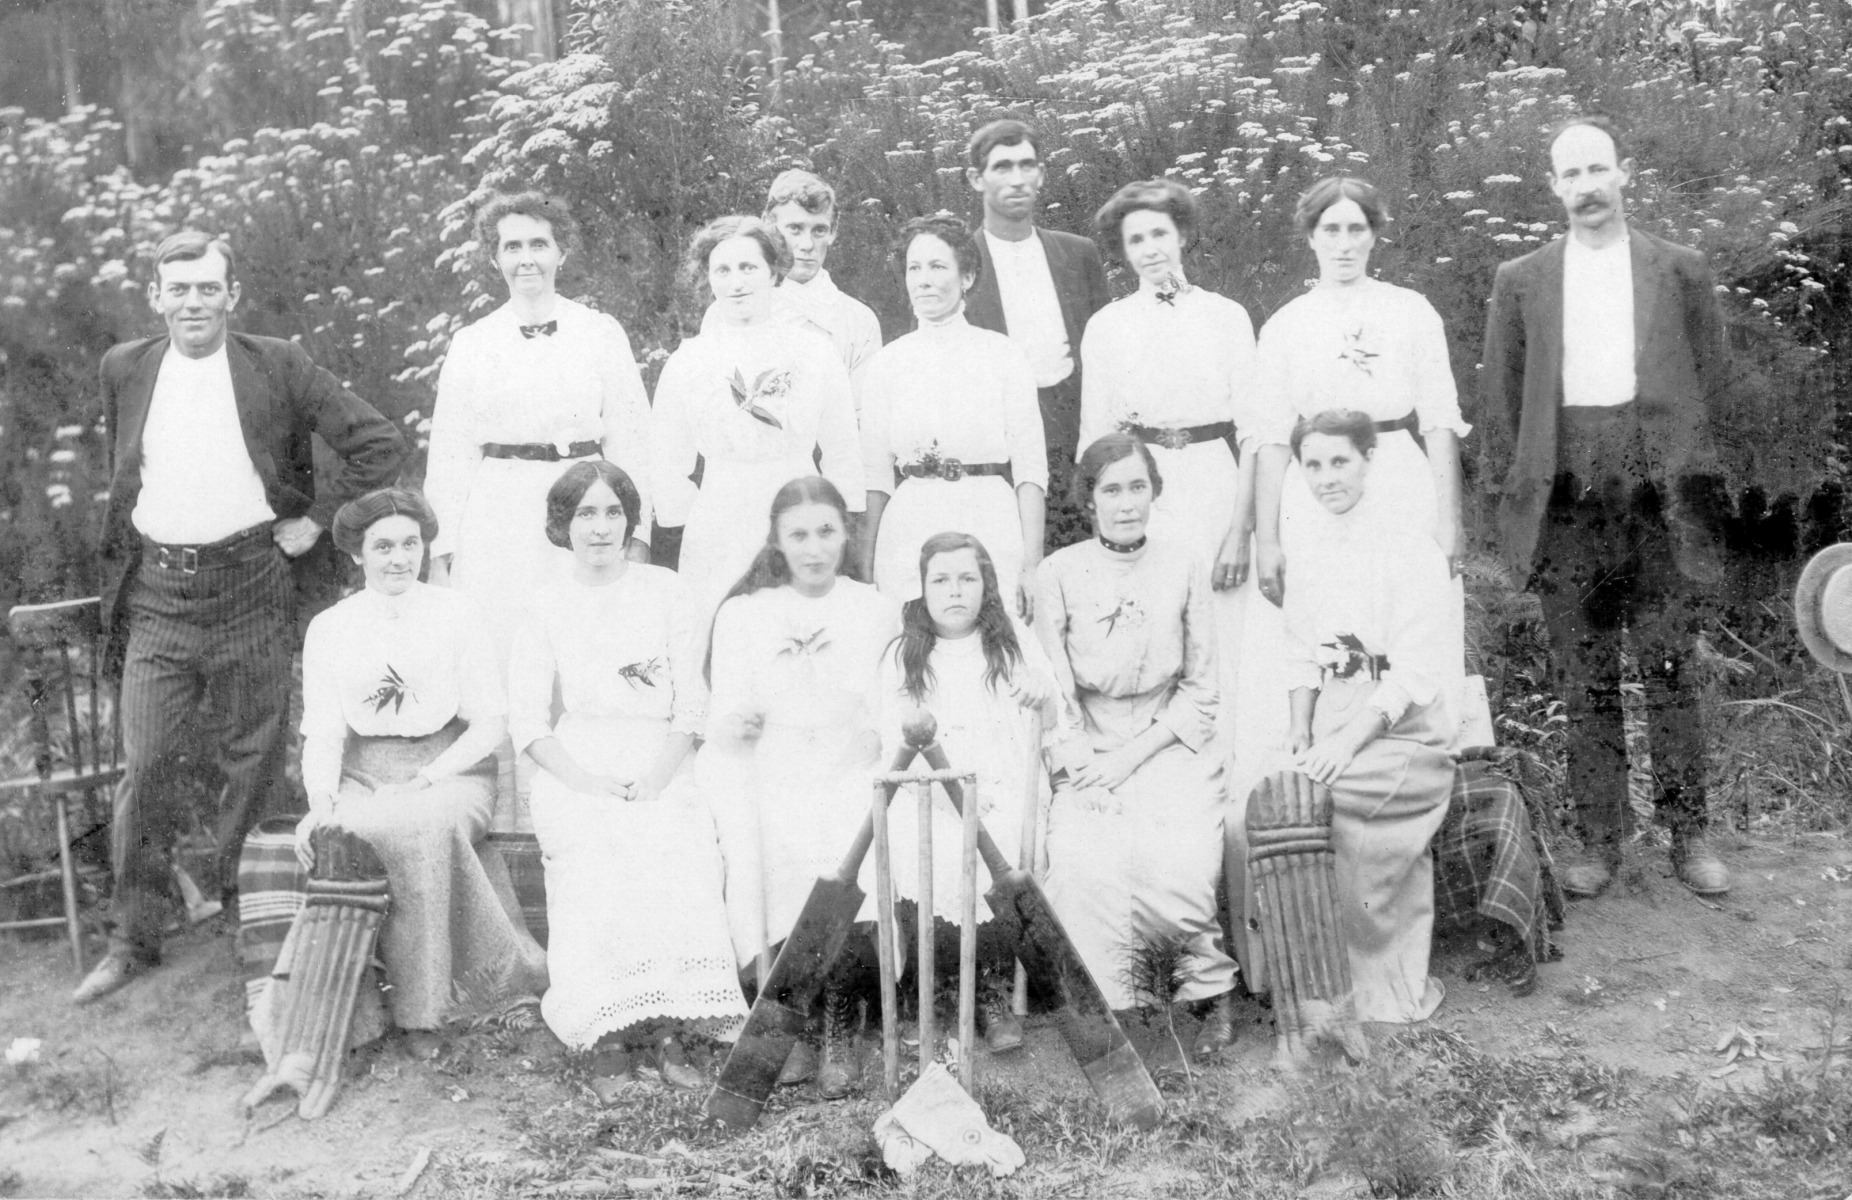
x=763, y=400
x=1174, y=285
x=1345, y=656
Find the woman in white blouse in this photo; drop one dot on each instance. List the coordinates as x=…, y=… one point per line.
x=402, y=708
x=1173, y=365
x=1368, y=652
x=539, y=381
x=951, y=428
x=1357, y=343
x=791, y=744
x=753, y=398
x=638, y=947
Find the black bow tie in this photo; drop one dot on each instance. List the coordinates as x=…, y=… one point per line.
x=546, y=330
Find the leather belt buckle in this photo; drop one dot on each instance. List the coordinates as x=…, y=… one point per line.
x=1173, y=439
x=951, y=470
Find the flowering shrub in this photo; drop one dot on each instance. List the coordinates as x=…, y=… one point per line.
x=348, y=160
x=330, y=216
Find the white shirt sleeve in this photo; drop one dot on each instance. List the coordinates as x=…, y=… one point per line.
x=1437, y=396
x=836, y=434
x=625, y=410
x=1022, y=418
x=672, y=448
x=455, y=450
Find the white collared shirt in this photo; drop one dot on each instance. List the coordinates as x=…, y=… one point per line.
x=1032, y=307
x=1598, y=349
x=198, y=484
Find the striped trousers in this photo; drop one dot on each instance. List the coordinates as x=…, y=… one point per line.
x=224, y=631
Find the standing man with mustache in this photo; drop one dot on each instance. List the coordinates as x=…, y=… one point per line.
x=1604, y=369
x=1040, y=288
x=212, y=502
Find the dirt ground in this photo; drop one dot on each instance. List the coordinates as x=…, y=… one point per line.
x=139, y=1095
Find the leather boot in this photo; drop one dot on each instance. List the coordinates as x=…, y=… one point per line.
x=996, y=1020
x=1218, y=1031
x=842, y=1066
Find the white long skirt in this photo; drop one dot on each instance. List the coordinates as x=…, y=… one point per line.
x=1196, y=508
x=728, y=522
x=787, y=810
x=1139, y=864
x=984, y=507
x=502, y=552
x=638, y=927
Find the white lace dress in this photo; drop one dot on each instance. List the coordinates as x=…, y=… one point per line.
x=634, y=900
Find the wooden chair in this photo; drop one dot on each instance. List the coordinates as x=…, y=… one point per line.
x=62, y=647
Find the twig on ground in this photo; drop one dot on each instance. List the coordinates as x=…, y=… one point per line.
x=409, y=1180
x=1731, y=634
x=1832, y=1028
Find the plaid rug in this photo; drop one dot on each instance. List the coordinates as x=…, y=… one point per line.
x=271, y=888
x=1489, y=860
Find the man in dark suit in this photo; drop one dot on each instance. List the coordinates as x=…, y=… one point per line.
x=212, y=498
x=1039, y=287
x=1604, y=370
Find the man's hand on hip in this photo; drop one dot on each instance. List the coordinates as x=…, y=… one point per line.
x=295, y=536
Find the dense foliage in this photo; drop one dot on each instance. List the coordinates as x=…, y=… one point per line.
x=353, y=139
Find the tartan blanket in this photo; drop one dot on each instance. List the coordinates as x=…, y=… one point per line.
x=271, y=889
x=1489, y=860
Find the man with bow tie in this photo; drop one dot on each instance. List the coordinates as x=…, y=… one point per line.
x=213, y=500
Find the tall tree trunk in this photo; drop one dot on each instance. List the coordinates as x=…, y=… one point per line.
x=354, y=20
x=541, y=42
x=65, y=48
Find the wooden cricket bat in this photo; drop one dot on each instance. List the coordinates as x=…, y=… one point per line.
x=1093, y=1034
x=782, y=1008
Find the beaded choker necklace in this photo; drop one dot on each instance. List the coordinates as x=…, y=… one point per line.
x=1122, y=547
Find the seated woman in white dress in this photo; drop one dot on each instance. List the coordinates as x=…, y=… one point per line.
x=1368, y=650
x=402, y=708
x=950, y=427
x=753, y=397
x=984, y=679
x=787, y=769
x=1173, y=365
x=1135, y=829
x=638, y=948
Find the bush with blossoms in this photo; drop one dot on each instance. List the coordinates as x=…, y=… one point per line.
x=346, y=162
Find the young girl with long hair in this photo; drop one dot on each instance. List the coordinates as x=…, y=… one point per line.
x=962, y=657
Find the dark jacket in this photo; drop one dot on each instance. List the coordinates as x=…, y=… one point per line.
x=282, y=399
x=1080, y=283
x=1683, y=388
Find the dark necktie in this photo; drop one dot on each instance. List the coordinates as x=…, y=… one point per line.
x=545, y=330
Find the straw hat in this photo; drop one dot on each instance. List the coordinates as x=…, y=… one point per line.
x=1823, y=606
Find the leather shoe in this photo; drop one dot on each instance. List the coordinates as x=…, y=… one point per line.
x=116, y=970
x=1698, y=866
x=1583, y=876
x=677, y=1071
x=1218, y=1031
x=800, y=1067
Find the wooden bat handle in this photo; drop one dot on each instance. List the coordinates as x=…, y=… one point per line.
x=993, y=857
